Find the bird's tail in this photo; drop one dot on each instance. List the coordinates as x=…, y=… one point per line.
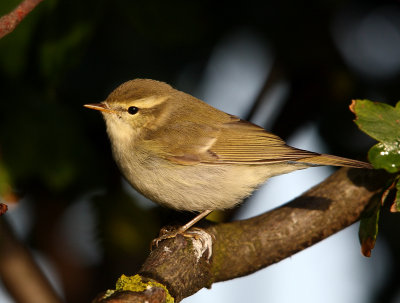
x=324, y=159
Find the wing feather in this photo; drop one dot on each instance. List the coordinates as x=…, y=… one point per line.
x=243, y=142
x=233, y=141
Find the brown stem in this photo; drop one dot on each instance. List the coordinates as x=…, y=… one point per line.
x=3, y=208
x=10, y=21
x=243, y=247
x=19, y=272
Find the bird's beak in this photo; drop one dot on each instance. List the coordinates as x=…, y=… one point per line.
x=100, y=106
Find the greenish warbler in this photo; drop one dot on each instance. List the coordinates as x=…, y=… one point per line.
x=182, y=153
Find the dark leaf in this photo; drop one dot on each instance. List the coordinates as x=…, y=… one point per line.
x=368, y=230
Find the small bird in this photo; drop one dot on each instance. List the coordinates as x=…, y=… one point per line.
x=184, y=154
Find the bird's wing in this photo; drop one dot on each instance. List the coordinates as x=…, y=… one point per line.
x=240, y=141
x=243, y=142
x=236, y=142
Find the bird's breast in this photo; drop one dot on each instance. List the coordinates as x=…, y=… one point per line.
x=189, y=187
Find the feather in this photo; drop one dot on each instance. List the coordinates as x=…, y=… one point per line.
x=241, y=142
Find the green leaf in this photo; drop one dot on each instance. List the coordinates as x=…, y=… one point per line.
x=6, y=190
x=382, y=122
x=4, y=180
x=386, y=156
x=378, y=120
x=368, y=230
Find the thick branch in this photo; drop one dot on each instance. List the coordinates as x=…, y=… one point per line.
x=243, y=247
x=10, y=21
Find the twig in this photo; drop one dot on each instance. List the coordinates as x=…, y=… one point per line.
x=10, y=21
x=19, y=272
x=3, y=208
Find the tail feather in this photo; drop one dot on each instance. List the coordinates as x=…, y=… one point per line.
x=324, y=159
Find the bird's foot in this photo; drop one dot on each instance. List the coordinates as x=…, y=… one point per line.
x=167, y=232
x=202, y=240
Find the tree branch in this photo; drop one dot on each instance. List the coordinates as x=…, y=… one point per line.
x=20, y=273
x=10, y=21
x=243, y=247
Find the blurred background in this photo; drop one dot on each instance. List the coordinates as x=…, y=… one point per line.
x=289, y=66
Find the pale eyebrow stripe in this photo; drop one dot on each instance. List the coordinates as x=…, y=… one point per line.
x=149, y=102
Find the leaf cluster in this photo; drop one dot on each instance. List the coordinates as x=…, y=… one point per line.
x=382, y=122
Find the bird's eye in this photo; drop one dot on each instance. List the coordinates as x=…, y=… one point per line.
x=133, y=110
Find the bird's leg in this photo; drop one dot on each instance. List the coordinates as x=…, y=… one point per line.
x=192, y=222
x=167, y=234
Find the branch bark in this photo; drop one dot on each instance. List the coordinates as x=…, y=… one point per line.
x=243, y=247
x=10, y=21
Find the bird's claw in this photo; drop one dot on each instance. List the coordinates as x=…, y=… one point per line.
x=170, y=232
x=165, y=233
